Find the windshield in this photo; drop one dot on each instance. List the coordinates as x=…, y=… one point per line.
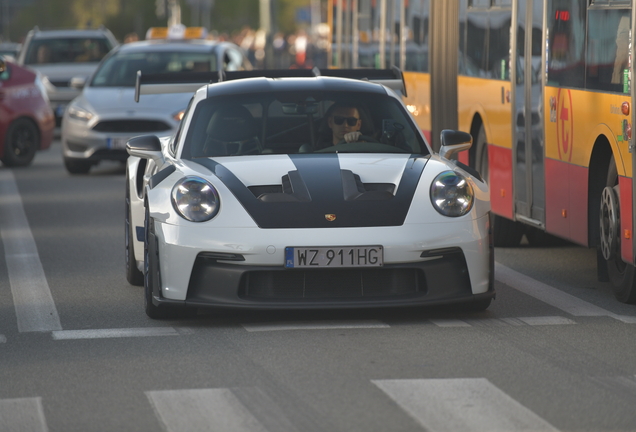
x=68, y=50
x=286, y=122
x=120, y=70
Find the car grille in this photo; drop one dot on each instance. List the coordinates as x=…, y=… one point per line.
x=332, y=283
x=134, y=126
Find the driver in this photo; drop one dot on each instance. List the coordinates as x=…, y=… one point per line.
x=345, y=124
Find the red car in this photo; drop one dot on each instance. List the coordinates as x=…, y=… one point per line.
x=26, y=119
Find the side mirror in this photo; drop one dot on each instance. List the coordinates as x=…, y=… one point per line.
x=454, y=142
x=145, y=147
x=78, y=82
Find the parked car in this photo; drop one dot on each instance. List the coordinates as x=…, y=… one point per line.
x=10, y=50
x=251, y=205
x=26, y=119
x=98, y=123
x=60, y=55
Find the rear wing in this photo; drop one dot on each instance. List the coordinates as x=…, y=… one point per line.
x=189, y=82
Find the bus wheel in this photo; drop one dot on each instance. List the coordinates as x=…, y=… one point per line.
x=506, y=233
x=622, y=275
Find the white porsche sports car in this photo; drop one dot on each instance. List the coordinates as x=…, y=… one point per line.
x=259, y=202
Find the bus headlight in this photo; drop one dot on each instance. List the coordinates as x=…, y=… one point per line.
x=451, y=194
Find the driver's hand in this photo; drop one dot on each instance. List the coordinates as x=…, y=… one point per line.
x=352, y=136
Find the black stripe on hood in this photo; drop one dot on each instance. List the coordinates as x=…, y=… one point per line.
x=319, y=187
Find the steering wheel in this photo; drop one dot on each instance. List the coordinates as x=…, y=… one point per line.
x=361, y=138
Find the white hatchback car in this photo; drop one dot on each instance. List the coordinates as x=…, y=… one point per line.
x=251, y=205
x=98, y=123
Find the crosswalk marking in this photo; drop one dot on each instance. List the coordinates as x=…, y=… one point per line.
x=114, y=333
x=22, y=415
x=32, y=298
x=462, y=405
x=314, y=325
x=216, y=410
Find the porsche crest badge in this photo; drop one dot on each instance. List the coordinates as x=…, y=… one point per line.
x=330, y=217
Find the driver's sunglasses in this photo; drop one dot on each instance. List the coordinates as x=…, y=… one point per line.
x=351, y=121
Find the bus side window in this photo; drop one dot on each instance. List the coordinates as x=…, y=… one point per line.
x=566, y=46
x=608, y=50
x=476, y=43
x=499, y=44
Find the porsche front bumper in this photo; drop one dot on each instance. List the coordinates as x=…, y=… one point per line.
x=452, y=263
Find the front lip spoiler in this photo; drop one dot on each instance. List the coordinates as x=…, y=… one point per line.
x=161, y=301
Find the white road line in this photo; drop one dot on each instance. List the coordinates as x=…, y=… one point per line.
x=450, y=323
x=627, y=383
x=547, y=294
x=462, y=405
x=216, y=410
x=22, y=415
x=512, y=321
x=546, y=320
x=32, y=298
x=315, y=325
x=114, y=333
x=625, y=318
x=498, y=322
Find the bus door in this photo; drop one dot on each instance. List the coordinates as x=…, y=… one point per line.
x=527, y=112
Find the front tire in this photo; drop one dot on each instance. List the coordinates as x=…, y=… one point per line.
x=506, y=233
x=622, y=275
x=21, y=143
x=133, y=275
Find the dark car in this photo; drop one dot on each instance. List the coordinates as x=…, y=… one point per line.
x=26, y=119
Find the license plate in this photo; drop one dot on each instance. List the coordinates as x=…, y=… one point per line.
x=117, y=143
x=337, y=256
x=59, y=110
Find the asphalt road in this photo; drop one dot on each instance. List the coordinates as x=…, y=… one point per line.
x=555, y=351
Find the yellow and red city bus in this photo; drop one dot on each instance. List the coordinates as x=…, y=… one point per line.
x=544, y=87
x=552, y=127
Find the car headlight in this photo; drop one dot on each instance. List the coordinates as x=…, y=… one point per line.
x=451, y=194
x=78, y=113
x=195, y=199
x=178, y=116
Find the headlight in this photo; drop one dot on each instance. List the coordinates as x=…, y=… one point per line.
x=178, y=116
x=451, y=194
x=78, y=113
x=195, y=199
